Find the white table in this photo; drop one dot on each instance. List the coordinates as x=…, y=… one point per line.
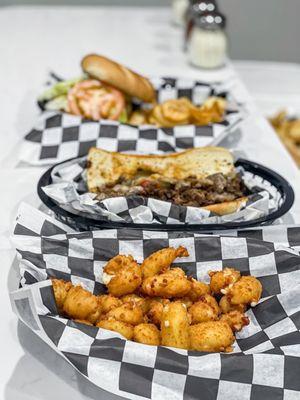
x=40, y=39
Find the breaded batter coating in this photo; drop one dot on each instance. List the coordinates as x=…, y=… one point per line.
x=246, y=291
x=198, y=289
x=60, y=289
x=128, y=312
x=143, y=303
x=220, y=281
x=146, y=334
x=161, y=260
x=122, y=275
x=172, y=283
x=212, y=336
x=81, y=304
x=236, y=320
x=226, y=306
x=108, y=302
x=205, y=309
x=112, y=324
x=174, y=326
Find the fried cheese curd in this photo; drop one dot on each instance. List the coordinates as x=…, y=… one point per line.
x=161, y=260
x=246, y=291
x=205, y=309
x=198, y=289
x=122, y=275
x=174, y=326
x=108, y=302
x=220, y=281
x=155, y=311
x=81, y=304
x=211, y=336
x=173, y=283
x=60, y=289
x=235, y=319
x=226, y=306
x=139, y=301
x=127, y=312
x=156, y=303
x=120, y=327
x=147, y=334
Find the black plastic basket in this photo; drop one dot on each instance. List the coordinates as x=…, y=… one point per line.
x=84, y=221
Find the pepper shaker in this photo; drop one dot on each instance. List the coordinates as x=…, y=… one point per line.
x=207, y=41
x=179, y=9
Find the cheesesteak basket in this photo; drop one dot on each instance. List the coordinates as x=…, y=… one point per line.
x=263, y=359
x=114, y=108
x=198, y=189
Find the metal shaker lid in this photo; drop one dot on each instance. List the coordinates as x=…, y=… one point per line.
x=213, y=21
x=200, y=6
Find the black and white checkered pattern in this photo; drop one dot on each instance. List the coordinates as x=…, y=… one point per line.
x=69, y=190
x=266, y=359
x=58, y=136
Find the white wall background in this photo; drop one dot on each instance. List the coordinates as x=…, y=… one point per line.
x=258, y=29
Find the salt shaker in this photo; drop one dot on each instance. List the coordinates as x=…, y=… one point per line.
x=179, y=9
x=194, y=10
x=207, y=41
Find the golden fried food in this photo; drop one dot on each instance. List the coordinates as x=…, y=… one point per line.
x=176, y=110
x=60, y=289
x=201, y=116
x=81, y=304
x=295, y=131
x=211, y=111
x=186, y=301
x=141, y=302
x=108, y=302
x=220, y=281
x=161, y=260
x=174, y=326
x=112, y=324
x=172, y=283
x=213, y=101
x=156, y=117
x=212, y=336
x=235, y=319
x=226, y=306
x=156, y=309
x=122, y=275
x=138, y=117
x=127, y=312
x=288, y=131
x=205, y=309
x=198, y=289
x=155, y=304
x=182, y=112
x=246, y=291
x=146, y=334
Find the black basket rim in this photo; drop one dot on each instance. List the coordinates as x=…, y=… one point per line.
x=266, y=173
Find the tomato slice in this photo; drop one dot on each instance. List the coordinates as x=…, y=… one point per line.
x=94, y=100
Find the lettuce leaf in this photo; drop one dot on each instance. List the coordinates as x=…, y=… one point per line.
x=58, y=103
x=59, y=89
x=123, y=118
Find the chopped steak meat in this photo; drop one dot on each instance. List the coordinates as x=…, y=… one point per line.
x=217, y=188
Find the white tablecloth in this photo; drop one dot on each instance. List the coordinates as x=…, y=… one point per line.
x=35, y=40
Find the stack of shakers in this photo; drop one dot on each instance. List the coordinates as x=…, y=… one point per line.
x=205, y=39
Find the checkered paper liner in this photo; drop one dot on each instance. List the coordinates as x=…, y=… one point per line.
x=266, y=359
x=69, y=190
x=58, y=136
